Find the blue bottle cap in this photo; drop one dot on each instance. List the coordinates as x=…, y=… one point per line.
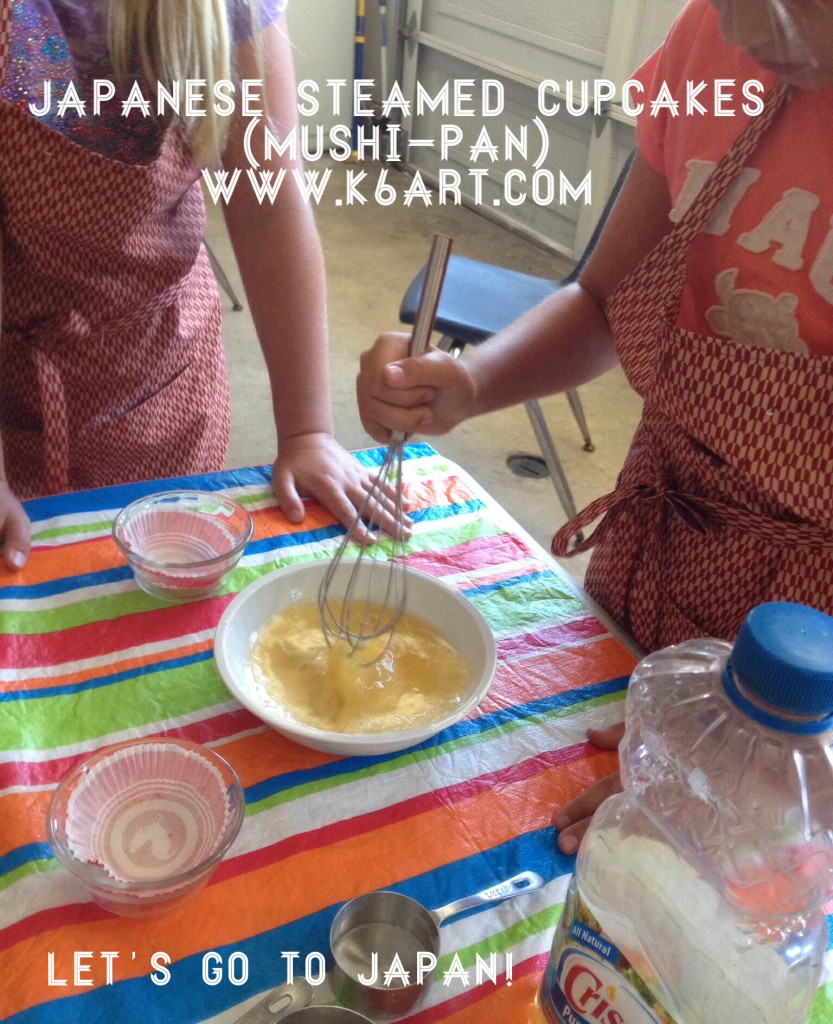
x=783, y=657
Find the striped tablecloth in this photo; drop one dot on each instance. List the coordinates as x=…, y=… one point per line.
x=87, y=659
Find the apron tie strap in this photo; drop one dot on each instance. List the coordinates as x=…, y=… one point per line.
x=705, y=515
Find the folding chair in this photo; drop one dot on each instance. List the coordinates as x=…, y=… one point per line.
x=480, y=299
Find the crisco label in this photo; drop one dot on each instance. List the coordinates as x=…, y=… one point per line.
x=589, y=980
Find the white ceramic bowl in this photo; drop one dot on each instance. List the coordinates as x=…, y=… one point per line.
x=433, y=601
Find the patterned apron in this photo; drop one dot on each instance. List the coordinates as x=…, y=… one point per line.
x=111, y=359
x=724, y=500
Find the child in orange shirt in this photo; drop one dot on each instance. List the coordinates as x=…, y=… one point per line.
x=711, y=284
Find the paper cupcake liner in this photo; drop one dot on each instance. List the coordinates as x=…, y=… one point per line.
x=178, y=536
x=148, y=812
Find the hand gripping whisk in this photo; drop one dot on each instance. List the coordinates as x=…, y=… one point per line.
x=362, y=598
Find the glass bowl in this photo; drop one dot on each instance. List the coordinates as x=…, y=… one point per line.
x=181, y=544
x=143, y=824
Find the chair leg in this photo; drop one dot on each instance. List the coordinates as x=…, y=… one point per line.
x=578, y=412
x=542, y=434
x=547, y=446
x=222, y=279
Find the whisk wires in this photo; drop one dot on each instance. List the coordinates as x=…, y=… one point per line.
x=363, y=593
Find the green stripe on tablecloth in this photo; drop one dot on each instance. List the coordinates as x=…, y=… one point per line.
x=450, y=534
x=73, y=529
x=543, y=921
x=522, y=605
x=110, y=605
x=31, y=622
x=821, y=1012
x=256, y=497
x=132, y=703
x=32, y=867
x=413, y=757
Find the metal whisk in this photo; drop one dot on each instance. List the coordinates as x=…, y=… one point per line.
x=363, y=598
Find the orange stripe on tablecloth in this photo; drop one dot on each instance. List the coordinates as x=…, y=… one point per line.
x=32, y=683
x=210, y=730
x=271, y=522
x=47, y=564
x=342, y=831
x=302, y=884
x=24, y=819
x=263, y=755
x=92, y=554
x=461, y=794
x=435, y=491
x=25, y=812
x=338, y=834
x=561, y=671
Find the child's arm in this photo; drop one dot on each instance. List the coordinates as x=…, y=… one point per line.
x=279, y=255
x=562, y=343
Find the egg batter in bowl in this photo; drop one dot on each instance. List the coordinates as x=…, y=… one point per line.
x=382, y=687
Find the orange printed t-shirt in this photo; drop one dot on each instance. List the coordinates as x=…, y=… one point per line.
x=762, y=269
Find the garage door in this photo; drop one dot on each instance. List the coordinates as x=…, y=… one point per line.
x=515, y=106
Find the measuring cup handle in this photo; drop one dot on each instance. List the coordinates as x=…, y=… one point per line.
x=526, y=881
x=279, y=1002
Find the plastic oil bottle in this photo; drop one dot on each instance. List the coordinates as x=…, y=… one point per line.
x=697, y=893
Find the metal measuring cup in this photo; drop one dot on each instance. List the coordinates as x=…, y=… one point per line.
x=291, y=1004
x=371, y=930
x=325, y=1015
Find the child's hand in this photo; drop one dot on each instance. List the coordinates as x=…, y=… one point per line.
x=317, y=466
x=429, y=394
x=15, y=531
x=574, y=818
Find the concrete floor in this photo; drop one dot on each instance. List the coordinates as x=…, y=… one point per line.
x=372, y=254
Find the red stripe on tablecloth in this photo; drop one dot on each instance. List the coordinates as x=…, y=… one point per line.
x=534, y=966
x=576, y=631
x=339, y=831
x=96, y=639
x=157, y=625
x=372, y=820
x=471, y=554
x=45, y=773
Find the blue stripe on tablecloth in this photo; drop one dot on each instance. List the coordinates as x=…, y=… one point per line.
x=468, y=727
x=438, y=512
x=117, y=677
x=349, y=765
x=187, y=999
x=87, y=502
x=509, y=581
x=23, y=855
x=281, y=542
x=33, y=591
x=108, y=498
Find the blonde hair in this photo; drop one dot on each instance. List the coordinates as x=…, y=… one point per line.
x=178, y=40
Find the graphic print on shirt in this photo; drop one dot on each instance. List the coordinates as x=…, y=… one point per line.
x=758, y=317
x=753, y=317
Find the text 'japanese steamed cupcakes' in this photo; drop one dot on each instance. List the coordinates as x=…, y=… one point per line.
x=144, y=824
